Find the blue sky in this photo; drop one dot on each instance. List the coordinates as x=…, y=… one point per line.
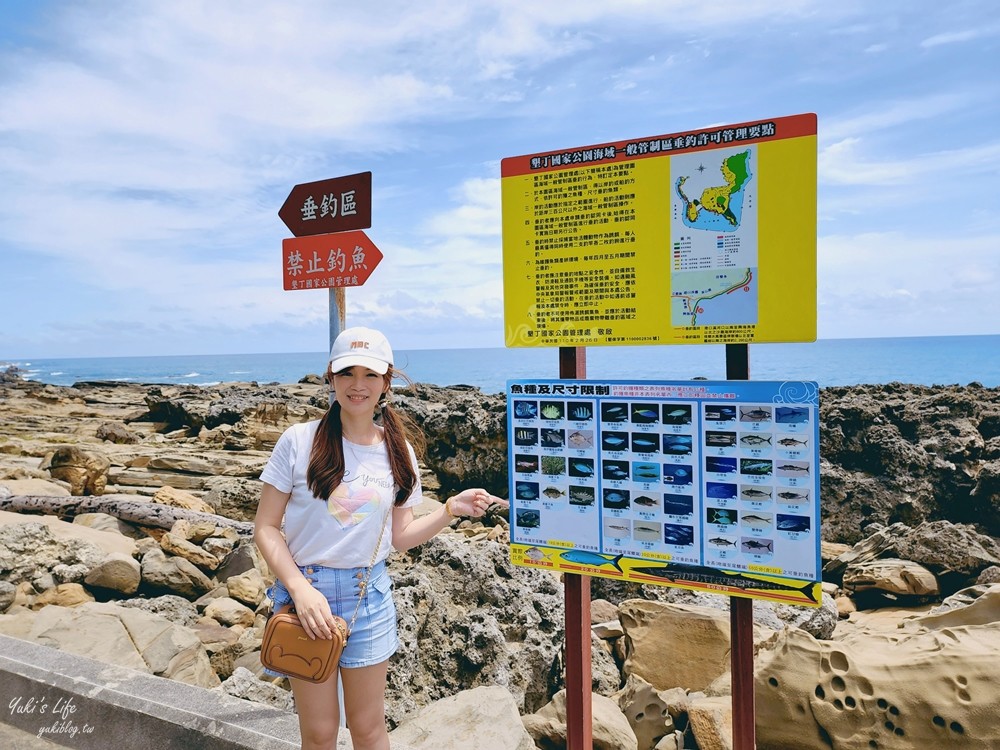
x=146, y=147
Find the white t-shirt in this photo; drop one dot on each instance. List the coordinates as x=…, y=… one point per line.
x=340, y=532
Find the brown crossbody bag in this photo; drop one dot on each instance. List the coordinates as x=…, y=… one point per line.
x=287, y=649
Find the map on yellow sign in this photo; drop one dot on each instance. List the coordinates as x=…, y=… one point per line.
x=664, y=240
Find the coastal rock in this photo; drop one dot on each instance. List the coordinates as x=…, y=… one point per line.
x=930, y=689
x=698, y=638
x=117, y=432
x=85, y=471
x=244, y=684
x=468, y=617
x=907, y=453
x=902, y=577
x=180, y=499
x=611, y=730
x=711, y=719
x=30, y=548
x=176, y=609
x=946, y=546
x=647, y=711
x=116, y=572
x=483, y=717
x=173, y=575
x=465, y=432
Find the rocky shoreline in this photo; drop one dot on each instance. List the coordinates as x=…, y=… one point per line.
x=124, y=536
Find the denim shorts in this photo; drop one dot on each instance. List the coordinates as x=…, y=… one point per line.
x=373, y=638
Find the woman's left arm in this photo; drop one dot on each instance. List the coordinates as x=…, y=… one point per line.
x=409, y=531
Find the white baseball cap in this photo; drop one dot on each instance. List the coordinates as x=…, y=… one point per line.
x=361, y=346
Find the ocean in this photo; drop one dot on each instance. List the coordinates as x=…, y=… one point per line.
x=933, y=360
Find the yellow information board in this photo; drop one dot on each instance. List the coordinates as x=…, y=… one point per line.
x=706, y=236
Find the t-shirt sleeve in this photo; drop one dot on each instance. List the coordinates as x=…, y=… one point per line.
x=278, y=471
x=417, y=496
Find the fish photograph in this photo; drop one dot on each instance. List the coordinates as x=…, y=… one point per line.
x=614, y=412
x=615, y=499
x=756, y=546
x=526, y=436
x=792, y=442
x=720, y=413
x=524, y=464
x=527, y=518
x=645, y=501
x=645, y=531
x=675, y=475
x=580, y=411
x=614, y=441
x=553, y=493
x=581, y=467
x=756, y=519
x=678, y=505
x=721, y=541
x=580, y=495
x=526, y=490
x=792, y=497
x=674, y=414
x=755, y=414
x=793, y=523
x=617, y=528
x=645, y=443
x=755, y=440
x=615, y=470
x=645, y=414
x=717, y=439
x=793, y=469
x=721, y=516
x=791, y=414
x=678, y=445
x=756, y=467
x=525, y=409
x=580, y=439
x=678, y=534
x=720, y=465
x=552, y=409
x=720, y=490
x=552, y=438
x=756, y=493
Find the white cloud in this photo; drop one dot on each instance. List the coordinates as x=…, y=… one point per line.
x=958, y=37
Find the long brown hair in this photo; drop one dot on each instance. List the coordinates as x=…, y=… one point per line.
x=326, y=460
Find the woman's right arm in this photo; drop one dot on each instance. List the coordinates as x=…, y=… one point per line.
x=310, y=605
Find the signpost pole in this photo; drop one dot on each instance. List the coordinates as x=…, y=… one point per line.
x=741, y=610
x=338, y=313
x=576, y=593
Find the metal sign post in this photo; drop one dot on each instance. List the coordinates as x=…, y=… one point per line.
x=576, y=597
x=741, y=610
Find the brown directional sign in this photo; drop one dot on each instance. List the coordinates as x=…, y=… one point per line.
x=334, y=205
x=328, y=261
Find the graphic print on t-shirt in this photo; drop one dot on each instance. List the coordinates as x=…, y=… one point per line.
x=351, y=508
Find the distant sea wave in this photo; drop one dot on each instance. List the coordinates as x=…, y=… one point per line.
x=937, y=360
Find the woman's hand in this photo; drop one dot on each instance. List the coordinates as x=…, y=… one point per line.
x=314, y=612
x=472, y=502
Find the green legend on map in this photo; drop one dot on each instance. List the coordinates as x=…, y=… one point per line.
x=706, y=236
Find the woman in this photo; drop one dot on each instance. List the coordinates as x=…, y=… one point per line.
x=336, y=482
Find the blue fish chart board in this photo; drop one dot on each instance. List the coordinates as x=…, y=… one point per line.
x=705, y=485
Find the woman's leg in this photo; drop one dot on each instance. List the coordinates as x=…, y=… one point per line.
x=319, y=712
x=364, y=702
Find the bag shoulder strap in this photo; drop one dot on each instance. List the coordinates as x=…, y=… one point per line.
x=368, y=573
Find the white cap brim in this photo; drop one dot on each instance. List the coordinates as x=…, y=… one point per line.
x=355, y=360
